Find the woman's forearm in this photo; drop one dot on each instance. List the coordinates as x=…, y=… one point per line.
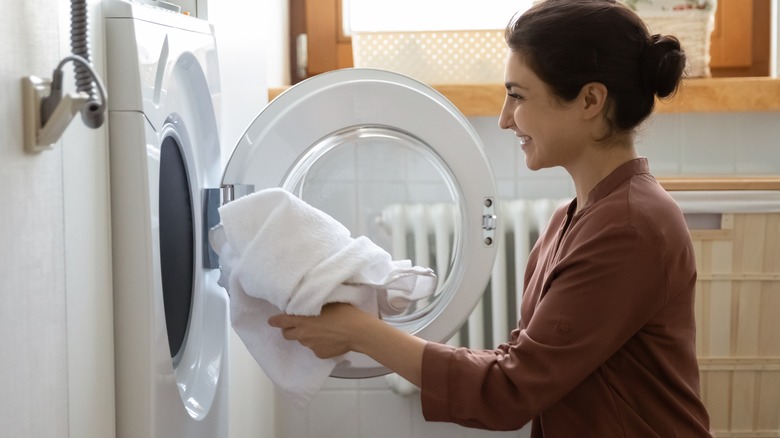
x=397, y=350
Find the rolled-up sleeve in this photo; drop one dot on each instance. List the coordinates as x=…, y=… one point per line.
x=590, y=304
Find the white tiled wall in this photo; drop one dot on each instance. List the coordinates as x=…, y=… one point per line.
x=367, y=409
x=675, y=144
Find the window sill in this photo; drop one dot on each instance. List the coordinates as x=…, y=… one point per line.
x=699, y=95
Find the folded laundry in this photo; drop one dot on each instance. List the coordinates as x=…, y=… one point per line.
x=279, y=254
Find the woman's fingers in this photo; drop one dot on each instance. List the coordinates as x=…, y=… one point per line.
x=326, y=335
x=281, y=321
x=288, y=324
x=289, y=334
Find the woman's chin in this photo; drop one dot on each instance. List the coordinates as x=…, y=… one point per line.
x=531, y=164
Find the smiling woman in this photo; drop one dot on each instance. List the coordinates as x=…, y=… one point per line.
x=604, y=342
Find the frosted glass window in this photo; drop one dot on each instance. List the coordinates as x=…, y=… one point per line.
x=404, y=15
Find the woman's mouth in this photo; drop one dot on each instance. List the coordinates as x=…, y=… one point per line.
x=524, y=139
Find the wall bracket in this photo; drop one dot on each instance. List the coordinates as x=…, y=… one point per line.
x=40, y=135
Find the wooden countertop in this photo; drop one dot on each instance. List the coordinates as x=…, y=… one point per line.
x=736, y=182
x=699, y=95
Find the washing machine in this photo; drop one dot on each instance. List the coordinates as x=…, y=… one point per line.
x=355, y=143
x=170, y=316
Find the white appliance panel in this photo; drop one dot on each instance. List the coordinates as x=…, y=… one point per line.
x=170, y=315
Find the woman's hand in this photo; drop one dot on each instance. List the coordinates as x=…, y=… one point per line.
x=341, y=328
x=330, y=334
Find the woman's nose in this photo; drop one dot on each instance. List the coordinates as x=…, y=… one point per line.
x=505, y=119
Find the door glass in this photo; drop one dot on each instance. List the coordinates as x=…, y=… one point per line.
x=176, y=244
x=389, y=186
x=390, y=159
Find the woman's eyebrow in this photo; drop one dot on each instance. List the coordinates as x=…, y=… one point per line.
x=510, y=85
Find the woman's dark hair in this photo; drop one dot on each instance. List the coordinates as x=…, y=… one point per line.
x=569, y=43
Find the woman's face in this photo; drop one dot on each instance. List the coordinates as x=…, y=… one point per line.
x=550, y=130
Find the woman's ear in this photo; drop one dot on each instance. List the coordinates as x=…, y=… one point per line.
x=593, y=96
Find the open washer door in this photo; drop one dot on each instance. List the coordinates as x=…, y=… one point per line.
x=383, y=154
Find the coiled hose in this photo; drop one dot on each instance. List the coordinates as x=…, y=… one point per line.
x=94, y=112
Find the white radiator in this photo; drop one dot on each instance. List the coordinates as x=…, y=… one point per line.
x=424, y=234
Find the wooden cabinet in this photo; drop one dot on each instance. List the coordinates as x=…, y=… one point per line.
x=740, y=43
x=319, y=23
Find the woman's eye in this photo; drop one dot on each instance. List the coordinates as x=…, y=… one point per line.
x=515, y=96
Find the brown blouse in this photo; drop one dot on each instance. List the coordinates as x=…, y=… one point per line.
x=605, y=344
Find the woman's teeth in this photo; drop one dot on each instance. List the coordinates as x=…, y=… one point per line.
x=524, y=139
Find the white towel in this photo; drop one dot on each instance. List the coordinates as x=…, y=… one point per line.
x=279, y=254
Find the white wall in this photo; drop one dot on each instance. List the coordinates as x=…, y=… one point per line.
x=32, y=262
x=53, y=258
x=89, y=307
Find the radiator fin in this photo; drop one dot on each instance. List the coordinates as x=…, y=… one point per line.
x=424, y=234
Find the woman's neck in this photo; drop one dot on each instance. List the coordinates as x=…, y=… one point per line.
x=594, y=166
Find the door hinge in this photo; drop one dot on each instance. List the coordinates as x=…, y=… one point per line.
x=213, y=199
x=489, y=222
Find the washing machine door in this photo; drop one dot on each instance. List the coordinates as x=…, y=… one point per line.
x=391, y=159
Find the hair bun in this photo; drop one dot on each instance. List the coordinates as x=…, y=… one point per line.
x=663, y=64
